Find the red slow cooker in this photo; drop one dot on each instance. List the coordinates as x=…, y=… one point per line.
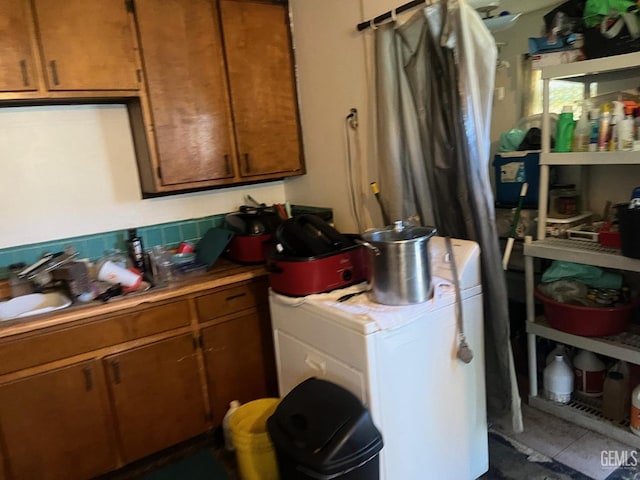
x=313, y=257
x=254, y=228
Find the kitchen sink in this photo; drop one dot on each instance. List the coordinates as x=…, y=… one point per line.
x=33, y=304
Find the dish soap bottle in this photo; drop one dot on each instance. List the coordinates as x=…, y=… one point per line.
x=136, y=250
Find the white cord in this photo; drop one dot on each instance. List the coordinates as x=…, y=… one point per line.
x=351, y=122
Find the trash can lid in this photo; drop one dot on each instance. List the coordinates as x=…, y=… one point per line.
x=324, y=428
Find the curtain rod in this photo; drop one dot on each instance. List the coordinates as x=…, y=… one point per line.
x=387, y=15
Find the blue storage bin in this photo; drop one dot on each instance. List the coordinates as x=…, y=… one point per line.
x=511, y=170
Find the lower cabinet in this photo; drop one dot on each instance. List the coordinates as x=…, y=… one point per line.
x=141, y=388
x=157, y=396
x=239, y=360
x=57, y=425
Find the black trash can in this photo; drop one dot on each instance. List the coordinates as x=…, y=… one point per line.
x=322, y=431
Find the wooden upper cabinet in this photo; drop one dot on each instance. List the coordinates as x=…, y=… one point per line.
x=87, y=44
x=17, y=58
x=262, y=82
x=58, y=425
x=187, y=87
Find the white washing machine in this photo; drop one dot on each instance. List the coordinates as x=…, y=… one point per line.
x=401, y=362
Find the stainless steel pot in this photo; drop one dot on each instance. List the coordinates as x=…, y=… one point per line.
x=400, y=269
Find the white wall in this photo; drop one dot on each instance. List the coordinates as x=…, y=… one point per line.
x=71, y=170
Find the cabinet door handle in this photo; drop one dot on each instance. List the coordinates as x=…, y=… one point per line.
x=115, y=366
x=227, y=164
x=88, y=379
x=54, y=72
x=25, y=74
x=247, y=163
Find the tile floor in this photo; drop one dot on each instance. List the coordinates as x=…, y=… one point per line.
x=567, y=443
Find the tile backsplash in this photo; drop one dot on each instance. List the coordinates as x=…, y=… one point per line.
x=93, y=246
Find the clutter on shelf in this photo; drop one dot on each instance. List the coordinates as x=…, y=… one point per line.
x=579, y=29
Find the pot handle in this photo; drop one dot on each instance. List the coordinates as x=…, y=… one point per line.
x=370, y=246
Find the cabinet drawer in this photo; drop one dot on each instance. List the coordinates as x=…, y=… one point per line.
x=56, y=343
x=230, y=300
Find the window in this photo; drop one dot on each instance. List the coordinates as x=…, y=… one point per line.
x=561, y=93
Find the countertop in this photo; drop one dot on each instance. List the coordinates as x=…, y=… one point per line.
x=223, y=273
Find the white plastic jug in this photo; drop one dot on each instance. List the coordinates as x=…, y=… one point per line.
x=590, y=372
x=558, y=380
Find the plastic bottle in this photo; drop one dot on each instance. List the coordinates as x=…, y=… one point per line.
x=226, y=429
x=559, y=349
x=590, y=372
x=594, y=119
x=636, y=129
x=582, y=133
x=625, y=130
x=136, y=250
x=564, y=130
x=615, y=396
x=634, y=416
x=603, y=128
x=616, y=117
x=558, y=381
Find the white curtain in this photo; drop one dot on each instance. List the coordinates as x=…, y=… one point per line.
x=434, y=88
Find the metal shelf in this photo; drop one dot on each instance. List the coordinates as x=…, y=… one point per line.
x=617, y=67
x=624, y=346
x=577, y=251
x=590, y=158
x=588, y=414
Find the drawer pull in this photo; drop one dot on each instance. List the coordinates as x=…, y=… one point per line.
x=318, y=365
x=88, y=379
x=115, y=365
x=237, y=295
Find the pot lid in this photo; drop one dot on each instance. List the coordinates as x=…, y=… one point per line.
x=399, y=232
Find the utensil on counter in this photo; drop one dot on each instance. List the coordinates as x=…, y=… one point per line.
x=514, y=226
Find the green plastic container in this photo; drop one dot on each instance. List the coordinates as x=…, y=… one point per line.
x=564, y=130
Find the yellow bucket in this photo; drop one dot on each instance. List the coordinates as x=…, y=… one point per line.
x=254, y=450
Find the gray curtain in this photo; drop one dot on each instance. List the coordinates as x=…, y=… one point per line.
x=434, y=89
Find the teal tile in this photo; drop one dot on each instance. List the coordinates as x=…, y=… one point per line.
x=218, y=220
x=152, y=237
x=189, y=230
x=95, y=247
x=6, y=258
x=171, y=235
x=204, y=224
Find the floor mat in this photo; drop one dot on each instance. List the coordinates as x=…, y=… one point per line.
x=509, y=460
x=203, y=465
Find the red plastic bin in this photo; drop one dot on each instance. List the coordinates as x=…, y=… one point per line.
x=586, y=321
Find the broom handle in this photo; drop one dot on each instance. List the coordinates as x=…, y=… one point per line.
x=514, y=225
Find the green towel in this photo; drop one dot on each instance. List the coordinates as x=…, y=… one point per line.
x=587, y=274
x=201, y=466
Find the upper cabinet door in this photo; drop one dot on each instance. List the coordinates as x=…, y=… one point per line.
x=17, y=59
x=87, y=45
x=263, y=94
x=184, y=68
